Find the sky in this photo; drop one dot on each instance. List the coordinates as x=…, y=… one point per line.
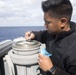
x=24, y=13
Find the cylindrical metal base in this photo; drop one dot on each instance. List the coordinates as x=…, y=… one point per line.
x=22, y=59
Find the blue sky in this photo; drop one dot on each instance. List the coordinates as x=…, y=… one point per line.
x=24, y=12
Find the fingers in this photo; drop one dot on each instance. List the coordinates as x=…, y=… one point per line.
x=44, y=62
x=29, y=35
x=39, y=59
x=40, y=55
x=42, y=58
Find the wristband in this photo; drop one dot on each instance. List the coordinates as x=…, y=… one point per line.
x=52, y=70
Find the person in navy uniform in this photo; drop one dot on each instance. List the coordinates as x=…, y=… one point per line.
x=59, y=37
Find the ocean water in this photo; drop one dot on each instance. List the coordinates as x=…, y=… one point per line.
x=15, y=32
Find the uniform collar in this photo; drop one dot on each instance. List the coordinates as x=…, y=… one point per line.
x=66, y=33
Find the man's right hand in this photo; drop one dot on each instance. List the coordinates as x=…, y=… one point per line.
x=29, y=35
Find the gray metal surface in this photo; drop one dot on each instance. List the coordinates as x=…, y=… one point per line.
x=5, y=46
x=22, y=59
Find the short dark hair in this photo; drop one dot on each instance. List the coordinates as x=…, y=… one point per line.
x=58, y=8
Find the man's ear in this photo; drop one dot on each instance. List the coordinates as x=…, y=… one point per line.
x=63, y=22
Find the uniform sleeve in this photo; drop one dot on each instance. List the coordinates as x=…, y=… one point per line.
x=69, y=61
x=40, y=36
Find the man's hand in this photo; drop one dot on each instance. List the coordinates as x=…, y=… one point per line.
x=29, y=35
x=45, y=62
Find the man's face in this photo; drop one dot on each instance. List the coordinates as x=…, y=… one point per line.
x=52, y=24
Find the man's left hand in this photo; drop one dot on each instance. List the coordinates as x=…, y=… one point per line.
x=45, y=62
